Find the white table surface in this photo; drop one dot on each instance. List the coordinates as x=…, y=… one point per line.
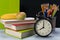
x=54, y=36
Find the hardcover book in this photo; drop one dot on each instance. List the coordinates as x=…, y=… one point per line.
x=20, y=34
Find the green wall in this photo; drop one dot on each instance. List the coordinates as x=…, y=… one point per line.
x=8, y=6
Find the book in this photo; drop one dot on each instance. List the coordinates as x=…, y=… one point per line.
x=28, y=19
x=19, y=26
x=20, y=34
x=4, y=22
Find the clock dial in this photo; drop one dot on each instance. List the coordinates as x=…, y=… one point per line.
x=43, y=27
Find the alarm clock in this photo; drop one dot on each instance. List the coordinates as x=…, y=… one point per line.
x=43, y=27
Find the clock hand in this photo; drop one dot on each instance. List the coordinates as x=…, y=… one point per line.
x=43, y=25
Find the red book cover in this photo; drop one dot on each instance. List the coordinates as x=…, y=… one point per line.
x=22, y=24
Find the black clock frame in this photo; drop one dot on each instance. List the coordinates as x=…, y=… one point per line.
x=40, y=20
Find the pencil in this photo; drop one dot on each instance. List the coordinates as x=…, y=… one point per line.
x=54, y=12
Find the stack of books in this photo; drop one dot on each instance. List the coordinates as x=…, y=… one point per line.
x=19, y=29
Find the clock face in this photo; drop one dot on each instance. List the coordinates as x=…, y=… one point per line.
x=43, y=27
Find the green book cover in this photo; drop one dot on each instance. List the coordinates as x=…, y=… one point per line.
x=20, y=34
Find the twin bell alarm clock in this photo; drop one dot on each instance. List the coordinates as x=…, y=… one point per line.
x=43, y=26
